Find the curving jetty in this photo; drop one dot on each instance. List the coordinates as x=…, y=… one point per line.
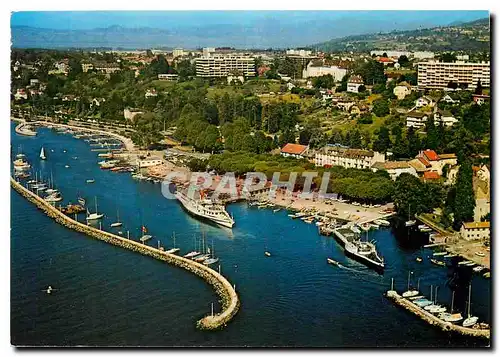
x=22, y=129
x=227, y=294
x=434, y=320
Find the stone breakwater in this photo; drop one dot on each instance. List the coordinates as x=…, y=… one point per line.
x=434, y=320
x=21, y=129
x=228, y=298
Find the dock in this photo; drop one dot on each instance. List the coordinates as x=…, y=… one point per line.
x=229, y=300
x=434, y=320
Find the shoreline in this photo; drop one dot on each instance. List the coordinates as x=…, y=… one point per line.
x=227, y=294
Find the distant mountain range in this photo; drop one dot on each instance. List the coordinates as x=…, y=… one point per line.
x=264, y=33
x=459, y=36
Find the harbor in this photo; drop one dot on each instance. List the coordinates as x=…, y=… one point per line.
x=295, y=275
x=228, y=297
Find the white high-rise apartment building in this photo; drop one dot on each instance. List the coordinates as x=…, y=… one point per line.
x=437, y=75
x=224, y=65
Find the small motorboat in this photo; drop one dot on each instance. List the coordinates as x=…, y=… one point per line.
x=410, y=223
x=410, y=293
x=438, y=262
x=422, y=302
x=419, y=259
x=480, y=254
x=333, y=262
x=66, y=166
x=267, y=254
x=192, y=254
x=478, y=269
x=451, y=317
x=437, y=310
x=90, y=181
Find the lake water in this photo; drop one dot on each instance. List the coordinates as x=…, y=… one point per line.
x=106, y=295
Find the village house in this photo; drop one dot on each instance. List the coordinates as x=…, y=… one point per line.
x=436, y=161
x=424, y=102
x=354, y=83
x=449, y=100
x=107, y=68
x=330, y=155
x=420, y=165
x=430, y=176
x=21, y=94
x=395, y=168
x=294, y=150
x=97, y=102
x=168, y=77
x=386, y=61
x=475, y=231
x=416, y=119
x=402, y=90
x=151, y=93
x=480, y=98
x=149, y=162
x=70, y=98
x=130, y=113
x=481, y=186
x=87, y=67
x=445, y=117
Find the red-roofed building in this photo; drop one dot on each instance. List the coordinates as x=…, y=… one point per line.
x=295, y=150
x=431, y=176
x=386, y=61
x=424, y=161
x=431, y=155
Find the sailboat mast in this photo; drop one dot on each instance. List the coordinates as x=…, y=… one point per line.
x=436, y=295
x=468, y=306
x=431, y=293
x=96, y=204
x=452, y=301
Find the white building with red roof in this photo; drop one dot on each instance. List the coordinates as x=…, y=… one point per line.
x=294, y=150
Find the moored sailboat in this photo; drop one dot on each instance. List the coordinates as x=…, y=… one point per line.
x=95, y=215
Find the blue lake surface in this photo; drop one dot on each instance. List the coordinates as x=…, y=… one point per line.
x=109, y=296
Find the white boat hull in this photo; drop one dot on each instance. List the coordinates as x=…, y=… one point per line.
x=191, y=206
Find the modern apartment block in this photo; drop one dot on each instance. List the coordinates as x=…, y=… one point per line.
x=223, y=65
x=437, y=75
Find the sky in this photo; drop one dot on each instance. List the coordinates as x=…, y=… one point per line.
x=81, y=20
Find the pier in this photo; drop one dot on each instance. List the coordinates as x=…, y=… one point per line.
x=22, y=129
x=434, y=320
x=227, y=294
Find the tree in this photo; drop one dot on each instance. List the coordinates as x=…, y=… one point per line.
x=432, y=138
x=365, y=118
x=325, y=81
x=403, y=61
x=380, y=107
x=371, y=71
x=464, y=203
x=448, y=57
x=413, y=141
x=452, y=85
x=383, y=141
x=355, y=139
x=479, y=88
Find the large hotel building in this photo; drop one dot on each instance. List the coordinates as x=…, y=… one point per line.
x=437, y=75
x=216, y=65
